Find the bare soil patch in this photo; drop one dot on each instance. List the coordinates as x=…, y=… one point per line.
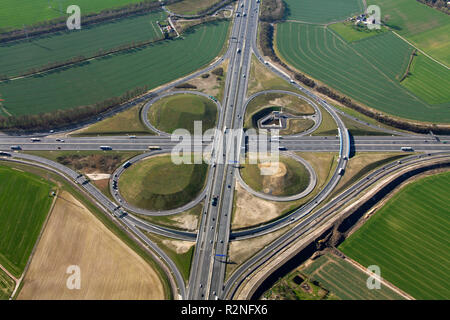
x=109, y=268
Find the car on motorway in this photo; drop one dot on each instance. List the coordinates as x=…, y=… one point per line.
x=35, y=139
x=105, y=148
x=126, y=164
x=214, y=201
x=16, y=148
x=60, y=140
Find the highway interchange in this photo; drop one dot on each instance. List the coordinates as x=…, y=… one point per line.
x=207, y=278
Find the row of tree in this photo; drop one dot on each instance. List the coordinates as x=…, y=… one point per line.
x=266, y=43
x=65, y=118
x=442, y=5
x=59, y=24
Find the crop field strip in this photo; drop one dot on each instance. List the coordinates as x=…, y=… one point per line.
x=408, y=239
x=192, y=7
x=25, y=203
x=344, y=280
x=425, y=27
x=322, y=11
x=365, y=70
x=97, y=80
x=15, y=14
x=19, y=56
x=428, y=80
x=6, y=285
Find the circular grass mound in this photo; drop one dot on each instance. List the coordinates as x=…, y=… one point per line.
x=180, y=111
x=288, y=177
x=158, y=184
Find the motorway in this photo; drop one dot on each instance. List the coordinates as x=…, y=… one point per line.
x=293, y=143
x=207, y=278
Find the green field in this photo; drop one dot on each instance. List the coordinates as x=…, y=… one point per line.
x=428, y=80
x=25, y=201
x=158, y=184
x=408, y=239
x=293, y=181
x=322, y=11
x=180, y=111
x=191, y=7
x=343, y=280
x=368, y=70
x=17, y=57
x=349, y=32
x=113, y=75
x=14, y=14
x=425, y=27
x=6, y=286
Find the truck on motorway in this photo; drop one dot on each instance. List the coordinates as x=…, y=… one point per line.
x=105, y=148
x=154, y=148
x=407, y=149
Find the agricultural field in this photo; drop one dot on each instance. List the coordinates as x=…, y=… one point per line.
x=408, y=239
x=25, y=201
x=180, y=111
x=289, y=177
x=427, y=28
x=109, y=268
x=111, y=76
x=368, y=70
x=14, y=14
x=343, y=280
x=428, y=80
x=322, y=11
x=6, y=286
x=192, y=7
x=20, y=56
x=349, y=32
x=157, y=183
